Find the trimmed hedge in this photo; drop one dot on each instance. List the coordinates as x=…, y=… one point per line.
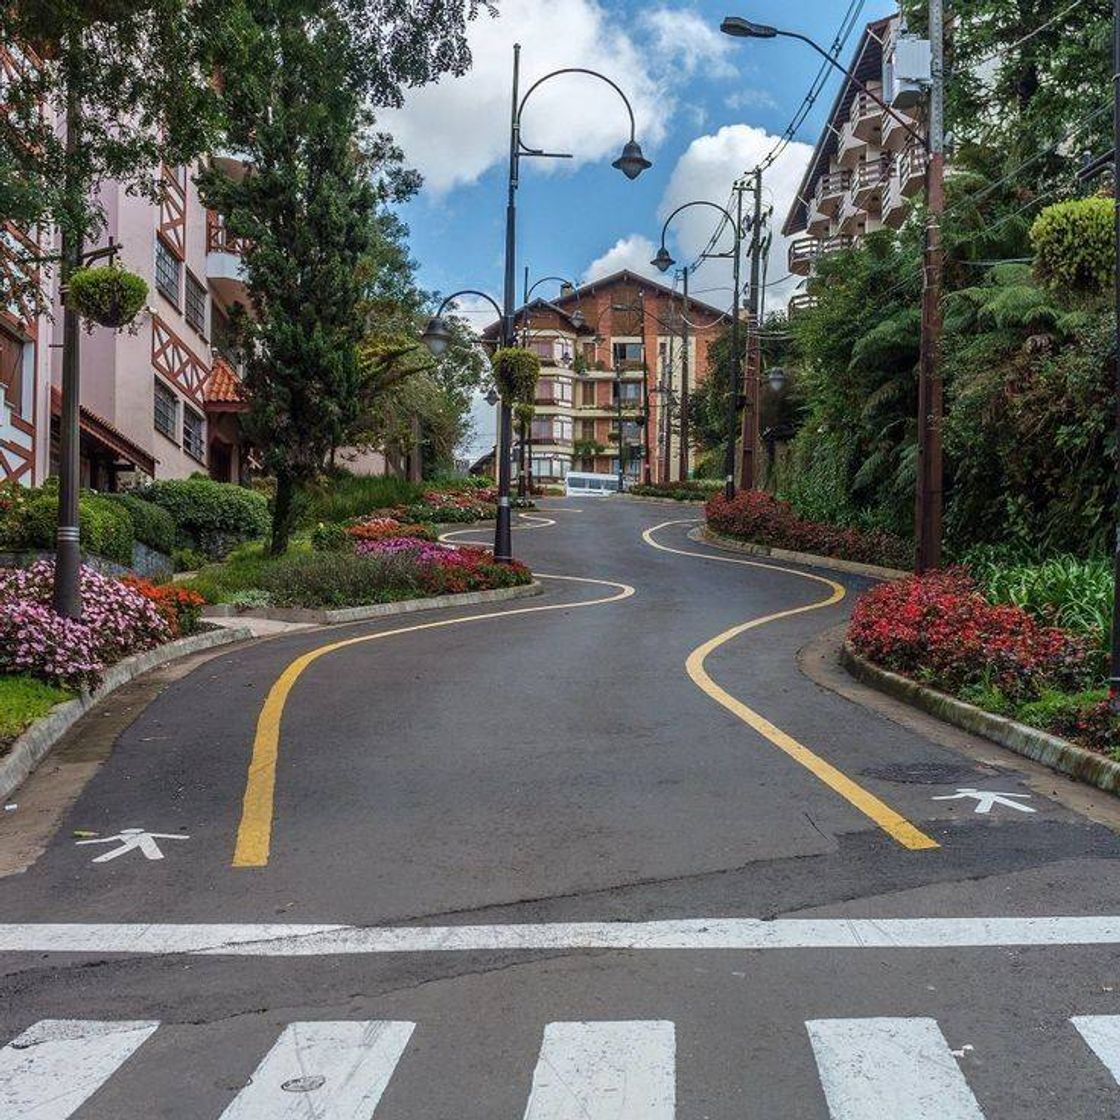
x=210, y=516
x=106, y=528
x=151, y=524
x=690, y=490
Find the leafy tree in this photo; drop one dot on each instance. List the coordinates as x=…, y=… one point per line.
x=132, y=79
x=320, y=254
x=1024, y=73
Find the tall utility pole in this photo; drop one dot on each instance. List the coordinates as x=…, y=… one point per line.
x=684, y=456
x=928, y=513
x=734, y=370
x=1114, y=660
x=754, y=344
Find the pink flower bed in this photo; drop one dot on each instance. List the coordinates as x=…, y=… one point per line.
x=116, y=622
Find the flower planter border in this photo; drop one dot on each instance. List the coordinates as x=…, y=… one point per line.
x=324, y=617
x=834, y=563
x=1059, y=754
x=30, y=748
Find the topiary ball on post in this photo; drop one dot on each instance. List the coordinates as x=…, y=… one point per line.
x=516, y=371
x=1074, y=249
x=109, y=295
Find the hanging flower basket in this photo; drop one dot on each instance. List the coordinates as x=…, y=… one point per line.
x=516, y=371
x=108, y=295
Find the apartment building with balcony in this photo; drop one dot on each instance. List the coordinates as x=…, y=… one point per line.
x=623, y=352
x=866, y=166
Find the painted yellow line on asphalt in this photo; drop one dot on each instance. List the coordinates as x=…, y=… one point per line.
x=891, y=822
x=538, y=523
x=254, y=833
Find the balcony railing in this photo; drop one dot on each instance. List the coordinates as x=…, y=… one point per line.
x=219, y=239
x=801, y=303
x=805, y=250
x=830, y=189
x=911, y=169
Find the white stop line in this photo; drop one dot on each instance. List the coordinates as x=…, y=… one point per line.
x=287, y=940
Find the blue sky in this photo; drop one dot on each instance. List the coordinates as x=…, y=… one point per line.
x=708, y=108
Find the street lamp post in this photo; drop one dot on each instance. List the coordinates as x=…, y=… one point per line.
x=929, y=497
x=664, y=262
x=631, y=162
x=437, y=337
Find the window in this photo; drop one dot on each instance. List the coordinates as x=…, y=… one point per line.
x=629, y=391
x=166, y=412
x=221, y=334
x=587, y=394
x=626, y=352
x=11, y=371
x=542, y=347
x=195, y=304
x=194, y=435
x=167, y=272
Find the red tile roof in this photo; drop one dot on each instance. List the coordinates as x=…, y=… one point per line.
x=222, y=390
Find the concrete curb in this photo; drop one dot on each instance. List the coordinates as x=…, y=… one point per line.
x=40, y=738
x=686, y=502
x=1059, y=754
x=375, y=610
x=809, y=559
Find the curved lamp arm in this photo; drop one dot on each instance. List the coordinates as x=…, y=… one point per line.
x=554, y=74
x=544, y=280
x=469, y=292
x=696, y=202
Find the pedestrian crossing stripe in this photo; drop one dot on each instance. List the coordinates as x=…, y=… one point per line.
x=870, y=1069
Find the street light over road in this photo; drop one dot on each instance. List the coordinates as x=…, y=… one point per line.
x=663, y=261
x=631, y=162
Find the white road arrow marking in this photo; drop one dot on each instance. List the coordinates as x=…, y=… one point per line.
x=133, y=839
x=986, y=798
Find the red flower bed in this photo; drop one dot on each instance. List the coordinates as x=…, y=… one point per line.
x=760, y=518
x=938, y=627
x=382, y=528
x=179, y=607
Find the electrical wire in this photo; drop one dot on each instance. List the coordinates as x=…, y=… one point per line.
x=1001, y=51
x=847, y=25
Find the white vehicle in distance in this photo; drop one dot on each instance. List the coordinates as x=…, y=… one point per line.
x=594, y=485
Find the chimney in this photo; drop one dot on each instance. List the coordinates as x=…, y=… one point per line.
x=566, y=289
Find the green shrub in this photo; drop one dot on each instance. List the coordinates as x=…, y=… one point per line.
x=1063, y=590
x=330, y=537
x=1074, y=248
x=338, y=579
x=106, y=528
x=688, y=490
x=242, y=570
x=210, y=516
x=251, y=599
x=187, y=560
x=352, y=496
x=151, y=524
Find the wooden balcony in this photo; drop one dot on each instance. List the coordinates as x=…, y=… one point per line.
x=866, y=117
x=831, y=188
x=869, y=182
x=805, y=251
x=225, y=269
x=800, y=303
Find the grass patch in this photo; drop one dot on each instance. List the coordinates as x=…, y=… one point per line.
x=22, y=701
x=1052, y=709
x=350, y=496
x=246, y=568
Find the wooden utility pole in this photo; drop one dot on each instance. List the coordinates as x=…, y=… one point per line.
x=749, y=437
x=928, y=512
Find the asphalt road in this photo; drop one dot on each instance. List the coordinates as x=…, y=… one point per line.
x=564, y=858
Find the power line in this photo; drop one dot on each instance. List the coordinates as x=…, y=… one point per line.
x=999, y=52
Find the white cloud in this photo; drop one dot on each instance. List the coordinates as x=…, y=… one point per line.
x=750, y=98
x=633, y=252
x=684, y=39
x=456, y=129
x=707, y=170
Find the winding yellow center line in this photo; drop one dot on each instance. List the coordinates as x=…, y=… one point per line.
x=891, y=822
x=254, y=833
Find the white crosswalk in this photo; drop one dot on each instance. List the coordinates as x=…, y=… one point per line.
x=869, y=1069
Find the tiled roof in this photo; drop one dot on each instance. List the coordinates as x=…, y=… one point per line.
x=223, y=386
